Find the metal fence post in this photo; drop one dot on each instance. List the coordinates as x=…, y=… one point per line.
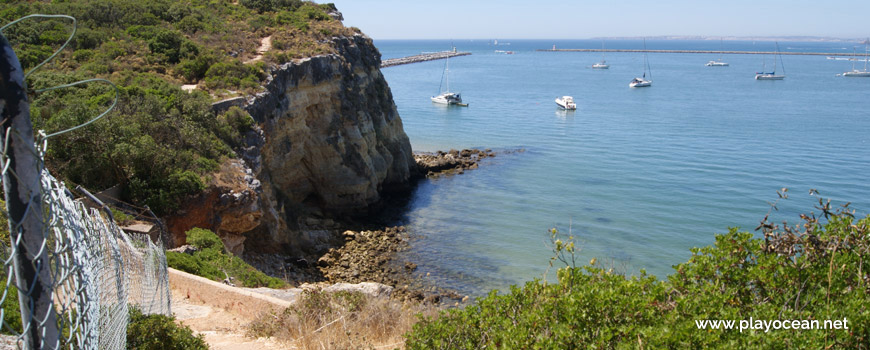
x=21, y=183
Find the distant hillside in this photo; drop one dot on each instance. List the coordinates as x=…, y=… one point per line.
x=740, y=38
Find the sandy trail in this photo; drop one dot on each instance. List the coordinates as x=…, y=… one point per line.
x=222, y=330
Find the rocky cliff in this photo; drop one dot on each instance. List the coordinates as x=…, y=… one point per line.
x=329, y=143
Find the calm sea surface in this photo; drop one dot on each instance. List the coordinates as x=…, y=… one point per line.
x=639, y=175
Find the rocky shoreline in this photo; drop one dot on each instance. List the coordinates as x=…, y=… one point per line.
x=364, y=256
x=441, y=163
x=347, y=254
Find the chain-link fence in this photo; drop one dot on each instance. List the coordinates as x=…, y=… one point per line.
x=69, y=273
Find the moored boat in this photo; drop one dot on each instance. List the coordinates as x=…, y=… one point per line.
x=566, y=102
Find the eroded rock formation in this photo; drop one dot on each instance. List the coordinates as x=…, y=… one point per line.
x=329, y=143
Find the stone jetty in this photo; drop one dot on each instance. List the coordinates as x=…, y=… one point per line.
x=705, y=51
x=422, y=58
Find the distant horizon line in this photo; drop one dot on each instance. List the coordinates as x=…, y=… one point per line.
x=677, y=37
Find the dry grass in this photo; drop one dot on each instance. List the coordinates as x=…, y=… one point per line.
x=342, y=320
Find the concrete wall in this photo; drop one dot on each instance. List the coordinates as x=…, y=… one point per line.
x=236, y=300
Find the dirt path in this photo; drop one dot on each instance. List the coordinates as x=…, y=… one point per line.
x=265, y=46
x=222, y=330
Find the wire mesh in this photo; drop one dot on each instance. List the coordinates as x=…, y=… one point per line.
x=96, y=271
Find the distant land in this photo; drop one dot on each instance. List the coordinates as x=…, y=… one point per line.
x=741, y=38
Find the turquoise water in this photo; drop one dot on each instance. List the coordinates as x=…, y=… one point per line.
x=639, y=175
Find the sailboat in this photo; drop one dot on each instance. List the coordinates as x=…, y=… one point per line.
x=772, y=75
x=718, y=63
x=603, y=64
x=446, y=97
x=643, y=82
x=859, y=73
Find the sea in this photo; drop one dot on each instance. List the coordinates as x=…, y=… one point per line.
x=638, y=176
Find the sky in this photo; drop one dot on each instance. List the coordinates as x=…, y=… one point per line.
x=551, y=19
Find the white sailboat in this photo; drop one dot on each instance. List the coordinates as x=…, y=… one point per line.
x=566, y=102
x=603, y=64
x=772, y=75
x=446, y=97
x=718, y=63
x=859, y=73
x=643, y=82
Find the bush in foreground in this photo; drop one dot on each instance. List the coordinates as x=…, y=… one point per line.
x=159, y=332
x=813, y=271
x=211, y=261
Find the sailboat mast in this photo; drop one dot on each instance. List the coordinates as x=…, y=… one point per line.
x=866, y=56
x=780, y=59
x=646, y=61
x=775, y=53
x=854, y=57
x=602, y=51
x=447, y=72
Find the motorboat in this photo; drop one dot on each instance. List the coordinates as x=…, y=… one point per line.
x=566, y=102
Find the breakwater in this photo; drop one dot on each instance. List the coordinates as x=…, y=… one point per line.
x=704, y=51
x=422, y=58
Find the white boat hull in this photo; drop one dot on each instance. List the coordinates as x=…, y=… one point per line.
x=448, y=98
x=769, y=77
x=640, y=83
x=716, y=64
x=857, y=74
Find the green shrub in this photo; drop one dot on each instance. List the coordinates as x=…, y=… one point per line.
x=160, y=332
x=232, y=124
x=233, y=75
x=204, y=239
x=172, y=46
x=212, y=262
x=194, y=69
x=813, y=271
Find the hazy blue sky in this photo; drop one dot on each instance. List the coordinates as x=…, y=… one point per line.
x=551, y=19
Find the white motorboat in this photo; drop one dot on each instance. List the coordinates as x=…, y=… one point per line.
x=772, y=75
x=566, y=102
x=643, y=81
x=603, y=64
x=855, y=73
x=445, y=96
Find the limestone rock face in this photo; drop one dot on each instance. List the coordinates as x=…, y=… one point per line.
x=330, y=141
x=327, y=144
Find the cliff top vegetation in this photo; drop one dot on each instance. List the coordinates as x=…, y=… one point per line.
x=160, y=143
